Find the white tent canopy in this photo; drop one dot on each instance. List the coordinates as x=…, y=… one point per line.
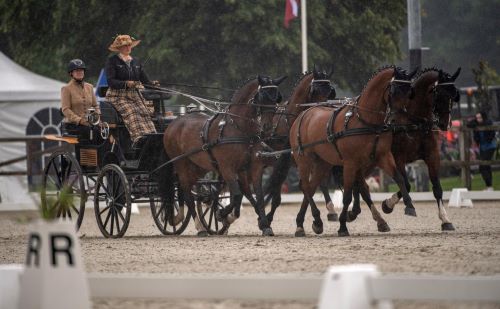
x=19, y=84
x=29, y=105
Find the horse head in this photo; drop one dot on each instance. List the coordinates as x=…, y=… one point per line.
x=444, y=93
x=266, y=98
x=400, y=91
x=321, y=87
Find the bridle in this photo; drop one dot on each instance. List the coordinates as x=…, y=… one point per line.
x=392, y=88
x=437, y=95
x=261, y=94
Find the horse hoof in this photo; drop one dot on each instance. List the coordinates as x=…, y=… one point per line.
x=386, y=209
x=318, y=229
x=300, y=232
x=410, y=212
x=343, y=233
x=333, y=217
x=447, y=227
x=267, y=232
x=351, y=216
x=202, y=234
x=383, y=227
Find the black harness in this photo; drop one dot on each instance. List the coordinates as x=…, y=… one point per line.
x=221, y=140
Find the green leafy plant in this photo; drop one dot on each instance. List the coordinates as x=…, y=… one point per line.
x=59, y=205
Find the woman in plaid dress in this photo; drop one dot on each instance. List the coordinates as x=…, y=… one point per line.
x=125, y=77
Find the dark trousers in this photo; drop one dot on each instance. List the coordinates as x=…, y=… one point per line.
x=486, y=169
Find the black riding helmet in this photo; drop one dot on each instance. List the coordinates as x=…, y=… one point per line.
x=76, y=64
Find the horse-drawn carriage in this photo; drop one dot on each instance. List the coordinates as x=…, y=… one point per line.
x=104, y=165
x=169, y=170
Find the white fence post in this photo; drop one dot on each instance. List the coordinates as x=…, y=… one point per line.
x=457, y=199
x=9, y=285
x=348, y=287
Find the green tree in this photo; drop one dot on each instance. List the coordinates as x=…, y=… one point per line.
x=460, y=33
x=484, y=76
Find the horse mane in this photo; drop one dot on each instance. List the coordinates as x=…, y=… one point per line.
x=380, y=69
x=237, y=93
x=426, y=70
x=301, y=77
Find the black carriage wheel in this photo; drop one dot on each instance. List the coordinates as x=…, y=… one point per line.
x=63, y=190
x=111, y=200
x=207, y=209
x=169, y=220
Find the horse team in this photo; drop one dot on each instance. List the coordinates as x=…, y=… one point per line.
x=394, y=121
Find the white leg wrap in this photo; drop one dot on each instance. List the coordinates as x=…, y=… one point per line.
x=393, y=200
x=231, y=218
x=198, y=225
x=330, y=207
x=375, y=214
x=179, y=217
x=442, y=213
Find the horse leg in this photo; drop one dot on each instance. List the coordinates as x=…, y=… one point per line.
x=264, y=223
x=332, y=215
x=409, y=210
x=299, y=220
x=356, y=205
x=363, y=189
x=305, y=165
x=433, y=167
x=389, y=166
x=186, y=180
x=281, y=169
x=349, y=178
x=321, y=170
x=389, y=204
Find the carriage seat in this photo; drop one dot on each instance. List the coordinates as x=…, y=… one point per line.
x=109, y=114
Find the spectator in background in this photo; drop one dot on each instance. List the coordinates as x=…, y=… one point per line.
x=487, y=145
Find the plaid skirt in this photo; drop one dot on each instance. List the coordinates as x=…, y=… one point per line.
x=135, y=111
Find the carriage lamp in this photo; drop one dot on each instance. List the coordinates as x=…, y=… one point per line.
x=93, y=117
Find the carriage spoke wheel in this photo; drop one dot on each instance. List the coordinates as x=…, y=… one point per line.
x=207, y=209
x=63, y=192
x=170, y=219
x=112, y=203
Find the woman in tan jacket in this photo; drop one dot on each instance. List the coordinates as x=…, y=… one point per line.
x=77, y=98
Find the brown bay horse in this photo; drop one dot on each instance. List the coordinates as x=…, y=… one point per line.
x=427, y=112
x=221, y=144
x=312, y=87
x=357, y=137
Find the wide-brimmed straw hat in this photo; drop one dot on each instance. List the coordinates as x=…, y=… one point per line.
x=122, y=40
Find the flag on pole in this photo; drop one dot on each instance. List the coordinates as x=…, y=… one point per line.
x=291, y=11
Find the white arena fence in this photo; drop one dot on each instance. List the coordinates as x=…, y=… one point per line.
x=459, y=197
x=352, y=286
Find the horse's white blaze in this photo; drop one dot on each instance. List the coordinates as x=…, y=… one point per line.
x=442, y=213
x=330, y=207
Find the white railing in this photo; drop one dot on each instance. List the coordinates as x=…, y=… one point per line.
x=351, y=286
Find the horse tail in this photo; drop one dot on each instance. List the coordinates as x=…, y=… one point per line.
x=166, y=179
x=280, y=172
